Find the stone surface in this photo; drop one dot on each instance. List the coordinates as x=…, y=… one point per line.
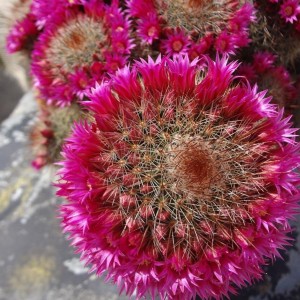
x=36, y=262
x=11, y=92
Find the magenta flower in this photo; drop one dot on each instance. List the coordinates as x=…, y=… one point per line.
x=263, y=61
x=176, y=43
x=225, y=43
x=22, y=34
x=202, y=47
x=149, y=28
x=289, y=10
x=240, y=21
x=183, y=183
x=79, y=39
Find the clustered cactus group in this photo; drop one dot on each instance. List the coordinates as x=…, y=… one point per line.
x=171, y=122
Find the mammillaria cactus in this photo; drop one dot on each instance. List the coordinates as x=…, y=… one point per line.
x=180, y=174
x=81, y=45
x=183, y=183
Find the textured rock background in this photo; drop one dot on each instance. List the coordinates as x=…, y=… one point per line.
x=10, y=94
x=36, y=262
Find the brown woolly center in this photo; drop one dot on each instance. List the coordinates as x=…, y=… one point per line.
x=75, y=40
x=177, y=46
x=198, y=164
x=288, y=11
x=195, y=167
x=197, y=3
